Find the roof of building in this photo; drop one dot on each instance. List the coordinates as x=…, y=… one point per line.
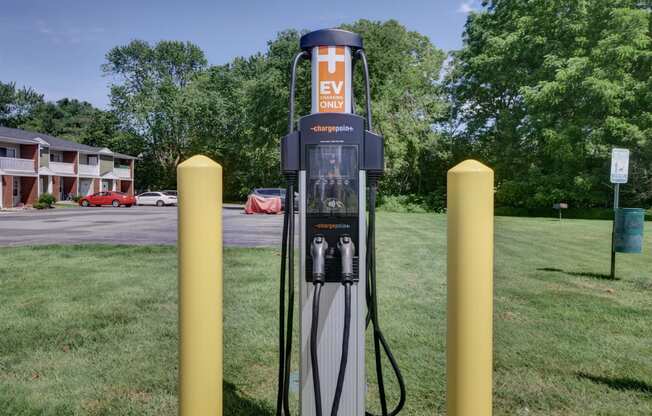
x=54, y=143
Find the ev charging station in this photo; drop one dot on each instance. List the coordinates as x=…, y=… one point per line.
x=336, y=161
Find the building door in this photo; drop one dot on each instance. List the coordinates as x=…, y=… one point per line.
x=85, y=186
x=45, y=181
x=16, y=190
x=107, y=185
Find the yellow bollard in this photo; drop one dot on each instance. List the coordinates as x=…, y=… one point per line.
x=469, y=364
x=200, y=287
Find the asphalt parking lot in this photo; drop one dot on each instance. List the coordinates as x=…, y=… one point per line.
x=135, y=225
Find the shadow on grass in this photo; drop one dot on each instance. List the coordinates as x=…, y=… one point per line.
x=235, y=404
x=602, y=276
x=619, y=383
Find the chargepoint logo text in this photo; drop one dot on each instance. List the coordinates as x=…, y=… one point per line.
x=332, y=129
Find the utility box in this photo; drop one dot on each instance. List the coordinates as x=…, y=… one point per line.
x=629, y=230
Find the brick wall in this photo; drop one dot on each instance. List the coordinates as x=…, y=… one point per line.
x=29, y=151
x=71, y=157
x=127, y=187
x=69, y=185
x=56, y=186
x=28, y=190
x=96, y=185
x=7, y=191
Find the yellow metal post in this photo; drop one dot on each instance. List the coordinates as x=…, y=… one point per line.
x=470, y=290
x=200, y=287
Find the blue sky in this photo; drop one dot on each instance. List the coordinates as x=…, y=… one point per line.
x=57, y=47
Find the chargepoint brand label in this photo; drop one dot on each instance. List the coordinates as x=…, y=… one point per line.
x=331, y=129
x=332, y=226
x=331, y=71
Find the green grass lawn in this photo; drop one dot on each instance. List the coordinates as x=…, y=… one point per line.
x=91, y=330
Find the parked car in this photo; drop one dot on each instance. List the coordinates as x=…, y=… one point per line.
x=115, y=199
x=170, y=192
x=276, y=192
x=159, y=199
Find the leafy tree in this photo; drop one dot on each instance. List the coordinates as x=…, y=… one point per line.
x=238, y=113
x=16, y=104
x=67, y=118
x=70, y=119
x=544, y=89
x=407, y=102
x=241, y=112
x=148, y=95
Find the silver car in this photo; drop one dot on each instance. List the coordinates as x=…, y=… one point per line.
x=159, y=199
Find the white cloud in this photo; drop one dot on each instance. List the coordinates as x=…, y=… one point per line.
x=42, y=27
x=65, y=34
x=467, y=7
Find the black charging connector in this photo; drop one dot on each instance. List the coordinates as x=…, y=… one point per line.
x=347, y=251
x=318, y=250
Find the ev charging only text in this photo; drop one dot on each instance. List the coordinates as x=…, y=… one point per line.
x=331, y=95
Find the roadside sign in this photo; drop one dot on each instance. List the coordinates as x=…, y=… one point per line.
x=559, y=206
x=619, y=165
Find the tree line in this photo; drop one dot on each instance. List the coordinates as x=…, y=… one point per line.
x=540, y=91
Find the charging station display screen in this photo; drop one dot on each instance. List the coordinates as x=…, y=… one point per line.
x=332, y=187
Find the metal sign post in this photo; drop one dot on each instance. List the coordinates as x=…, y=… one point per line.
x=559, y=206
x=619, y=174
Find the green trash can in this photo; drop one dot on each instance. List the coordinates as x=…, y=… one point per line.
x=629, y=230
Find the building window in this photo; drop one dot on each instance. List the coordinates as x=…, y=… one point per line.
x=56, y=157
x=91, y=160
x=7, y=152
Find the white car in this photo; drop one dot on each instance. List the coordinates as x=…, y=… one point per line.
x=159, y=199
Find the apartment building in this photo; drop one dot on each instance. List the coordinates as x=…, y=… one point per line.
x=34, y=163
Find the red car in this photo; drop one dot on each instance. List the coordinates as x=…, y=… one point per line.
x=107, y=198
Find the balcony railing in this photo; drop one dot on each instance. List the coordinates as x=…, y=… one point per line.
x=61, y=167
x=122, y=173
x=13, y=163
x=89, y=169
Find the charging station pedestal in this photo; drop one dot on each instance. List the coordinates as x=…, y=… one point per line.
x=332, y=156
x=325, y=213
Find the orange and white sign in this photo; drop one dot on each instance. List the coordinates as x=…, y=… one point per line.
x=331, y=79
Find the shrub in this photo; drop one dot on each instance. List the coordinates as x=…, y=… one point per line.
x=571, y=213
x=400, y=203
x=40, y=205
x=412, y=203
x=46, y=199
x=76, y=198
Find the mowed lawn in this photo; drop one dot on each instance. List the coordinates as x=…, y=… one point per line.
x=91, y=330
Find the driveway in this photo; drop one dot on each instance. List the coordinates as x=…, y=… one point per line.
x=136, y=225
